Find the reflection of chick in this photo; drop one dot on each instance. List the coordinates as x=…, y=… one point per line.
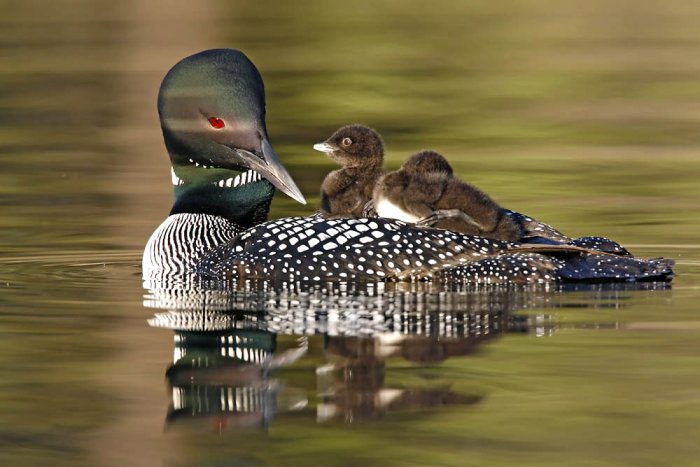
x=360, y=152
x=354, y=387
x=424, y=190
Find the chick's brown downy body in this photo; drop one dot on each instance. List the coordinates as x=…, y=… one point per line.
x=425, y=190
x=360, y=152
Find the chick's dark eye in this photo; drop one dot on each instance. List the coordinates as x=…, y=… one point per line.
x=346, y=142
x=216, y=122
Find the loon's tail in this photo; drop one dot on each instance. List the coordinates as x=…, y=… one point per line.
x=601, y=268
x=597, y=259
x=523, y=267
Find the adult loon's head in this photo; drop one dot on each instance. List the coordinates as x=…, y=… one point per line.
x=354, y=146
x=212, y=112
x=427, y=162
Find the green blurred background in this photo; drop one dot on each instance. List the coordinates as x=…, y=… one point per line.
x=582, y=114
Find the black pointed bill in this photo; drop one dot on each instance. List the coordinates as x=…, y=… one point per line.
x=272, y=169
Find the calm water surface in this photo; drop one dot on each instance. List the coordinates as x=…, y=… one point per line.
x=583, y=115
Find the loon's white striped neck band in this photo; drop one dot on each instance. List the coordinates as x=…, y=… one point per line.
x=197, y=164
x=249, y=176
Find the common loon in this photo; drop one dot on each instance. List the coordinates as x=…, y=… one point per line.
x=360, y=152
x=224, y=171
x=425, y=191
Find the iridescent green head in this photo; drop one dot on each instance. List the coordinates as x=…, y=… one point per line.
x=212, y=112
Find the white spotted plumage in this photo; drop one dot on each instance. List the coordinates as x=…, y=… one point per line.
x=317, y=249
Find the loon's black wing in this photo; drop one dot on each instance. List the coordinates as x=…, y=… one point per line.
x=317, y=249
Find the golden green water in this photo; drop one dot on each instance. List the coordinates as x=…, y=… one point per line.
x=584, y=115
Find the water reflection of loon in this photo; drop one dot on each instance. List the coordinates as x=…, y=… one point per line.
x=224, y=374
x=227, y=350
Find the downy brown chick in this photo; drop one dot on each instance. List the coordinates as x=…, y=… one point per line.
x=360, y=152
x=425, y=191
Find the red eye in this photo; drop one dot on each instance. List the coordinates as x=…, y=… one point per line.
x=216, y=122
